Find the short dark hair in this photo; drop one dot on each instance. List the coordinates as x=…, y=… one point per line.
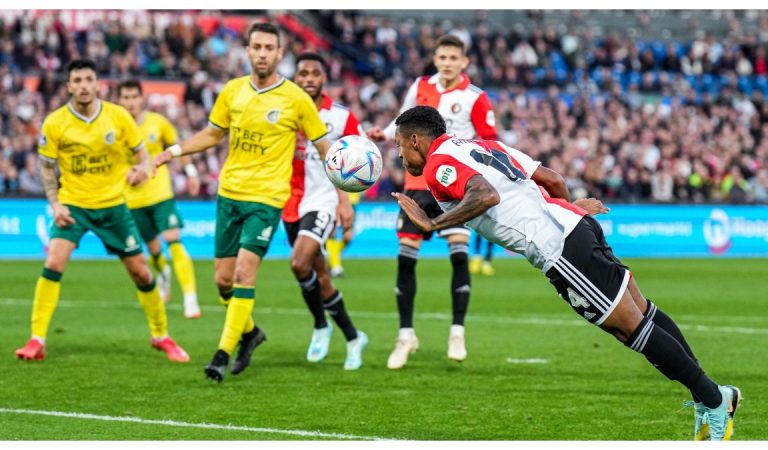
x=449, y=40
x=79, y=64
x=421, y=119
x=264, y=27
x=129, y=84
x=311, y=56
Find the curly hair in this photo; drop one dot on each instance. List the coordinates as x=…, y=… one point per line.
x=421, y=119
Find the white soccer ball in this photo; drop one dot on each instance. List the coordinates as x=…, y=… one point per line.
x=353, y=163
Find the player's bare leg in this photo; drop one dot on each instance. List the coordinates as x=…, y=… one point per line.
x=153, y=306
x=333, y=302
x=305, y=249
x=185, y=272
x=46, y=298
x=461, y=286
x=405, y=291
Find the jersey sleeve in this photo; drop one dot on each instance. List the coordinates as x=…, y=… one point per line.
x=352, y=127
x=408, y=102
x=219, y=116
x=131, y=133
x=47, y=144
x=447, y=177
x=168, y=133
x=521, y=160
x=310, y=123
x=483, y=118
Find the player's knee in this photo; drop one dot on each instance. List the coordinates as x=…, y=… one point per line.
x=141, y=275
x=224, y=281
x=300, y=266
x=244, y=277
x=55, y=264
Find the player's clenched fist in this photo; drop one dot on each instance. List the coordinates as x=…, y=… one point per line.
x=159, y=160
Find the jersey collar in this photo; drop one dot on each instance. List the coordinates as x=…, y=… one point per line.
x=437, y=142
x=327, y=101
x=87, y=120
x=268, y=88
x=463, y=83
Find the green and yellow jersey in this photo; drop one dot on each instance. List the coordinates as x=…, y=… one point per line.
x=92, y=153
x=262, y=126
x=158, y=133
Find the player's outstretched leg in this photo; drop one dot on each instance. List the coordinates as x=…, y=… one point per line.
x=405, y=291
x=185, y=274
x=47, y=292
x=460, y=291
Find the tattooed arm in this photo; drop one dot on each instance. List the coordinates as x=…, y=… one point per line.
x=61, y=214
x=479, y=196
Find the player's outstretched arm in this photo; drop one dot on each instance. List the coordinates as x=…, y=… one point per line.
x=479, y=196
x=322, y=147
x=552, y=181
x=202, y=140
x=592, y=206
x=140, y=171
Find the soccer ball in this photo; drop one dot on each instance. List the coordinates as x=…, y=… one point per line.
x=353, y=163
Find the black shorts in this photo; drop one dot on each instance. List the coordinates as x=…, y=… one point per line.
x=588, y=275
x=424, y=198
x=316, y=225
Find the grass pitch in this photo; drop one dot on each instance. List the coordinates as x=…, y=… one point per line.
x=535, y=370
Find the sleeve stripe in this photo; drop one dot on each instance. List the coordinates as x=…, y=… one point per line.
x=211, y=123
x=320, y=138
x=46, y=158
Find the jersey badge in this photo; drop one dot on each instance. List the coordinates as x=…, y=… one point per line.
x=446, y=175
x=329, y=127
x=455, y=108
x=109, y=138
x=152, y=138
x=273, y=116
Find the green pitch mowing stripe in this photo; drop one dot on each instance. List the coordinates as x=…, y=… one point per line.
x=208, y=426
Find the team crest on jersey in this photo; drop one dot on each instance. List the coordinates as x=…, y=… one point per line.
x=152, y=137
x=42, y=141
x=130, y=243
x=446, y=175
x=109, y=138
x=273, y=116
x=455, y=108
x=329, y=127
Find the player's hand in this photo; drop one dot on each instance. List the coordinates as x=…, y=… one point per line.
x=159, y=160
x=346, y=215
x=414, y=212
x=591, y=205
x=62, y=216
x=376, y=134
x=137, y=175
x=193, y=185
x=347, y=235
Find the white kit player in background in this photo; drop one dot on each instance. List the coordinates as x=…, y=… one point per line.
x=490, y=187
x=310, y=214
x=468, y=114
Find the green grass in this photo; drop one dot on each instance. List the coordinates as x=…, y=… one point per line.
x=592, y=387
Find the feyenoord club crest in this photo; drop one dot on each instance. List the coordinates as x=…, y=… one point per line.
x=455, y=108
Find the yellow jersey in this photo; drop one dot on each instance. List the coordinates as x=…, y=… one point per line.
x=158, y=133
x=262, y=126
x=92, y=153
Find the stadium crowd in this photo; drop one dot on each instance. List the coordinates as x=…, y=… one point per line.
x=621, y=118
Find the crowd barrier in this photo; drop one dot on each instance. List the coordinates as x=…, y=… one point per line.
x=632, y=230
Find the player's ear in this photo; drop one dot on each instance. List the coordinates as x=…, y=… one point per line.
x=280, y=52
x=464, y=62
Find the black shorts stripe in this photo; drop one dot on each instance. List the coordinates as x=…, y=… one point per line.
x=579, y=285
x=599, y=296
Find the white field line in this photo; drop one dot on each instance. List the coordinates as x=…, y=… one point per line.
x=527, y=360
x=174, y=423
x=526, y=320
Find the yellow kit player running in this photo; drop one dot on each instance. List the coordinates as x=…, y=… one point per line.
x=262, y=113
x=89, y=139
x=152, y=204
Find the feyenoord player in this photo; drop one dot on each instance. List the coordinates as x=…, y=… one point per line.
x=310, y=217
x=468, y=114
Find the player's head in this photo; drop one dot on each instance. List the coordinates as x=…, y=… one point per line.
x=416, y=129
x=450, y=57
x=130, y=96
x=82, y=81
x=264, y=49
x=310, y=73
